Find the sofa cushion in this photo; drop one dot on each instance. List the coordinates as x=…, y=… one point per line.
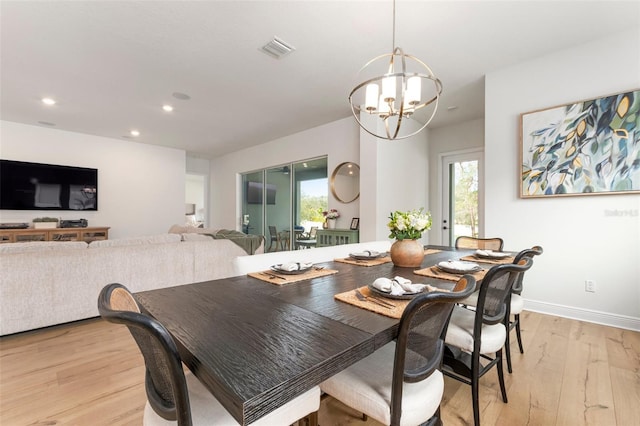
x=34, y=246
x=134, y=241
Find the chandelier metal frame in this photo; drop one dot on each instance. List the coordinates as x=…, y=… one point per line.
x=386, y=107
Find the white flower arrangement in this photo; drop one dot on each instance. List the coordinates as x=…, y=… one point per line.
x=409, y=225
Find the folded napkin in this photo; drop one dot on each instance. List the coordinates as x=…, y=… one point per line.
x=461, y=266
x=295, y=266
x=397, y=286
x=491, y=253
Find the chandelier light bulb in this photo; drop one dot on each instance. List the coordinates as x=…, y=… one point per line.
x=414, y=88
x=389, y=89
x=371, y=100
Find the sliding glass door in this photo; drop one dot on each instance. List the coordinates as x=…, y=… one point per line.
x=278, y=206
x=284, y=202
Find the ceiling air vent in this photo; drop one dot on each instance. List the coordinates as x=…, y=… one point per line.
x=277, y=48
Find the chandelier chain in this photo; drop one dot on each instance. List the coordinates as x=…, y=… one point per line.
x=393, y=37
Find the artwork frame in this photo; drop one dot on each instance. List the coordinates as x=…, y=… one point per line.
x=355, y=223
x=589, y=147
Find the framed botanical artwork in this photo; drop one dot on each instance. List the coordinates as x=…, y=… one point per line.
x=587, y=147
x=355, y=223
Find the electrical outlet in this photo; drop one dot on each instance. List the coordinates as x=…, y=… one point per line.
x=590, y=286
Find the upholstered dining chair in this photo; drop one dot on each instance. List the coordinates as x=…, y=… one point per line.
x=516, y=304
x=473, y=335
x=401, y=383
x=479, y=243
x=173, y=395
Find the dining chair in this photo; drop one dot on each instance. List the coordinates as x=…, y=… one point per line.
x=274, y=237
x=173, y=395
x=479, y=243
x=401, y=383
x=516, y=304
x=473, y=335
x=307, y=240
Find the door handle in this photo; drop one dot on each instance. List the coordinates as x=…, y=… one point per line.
x=444, y=227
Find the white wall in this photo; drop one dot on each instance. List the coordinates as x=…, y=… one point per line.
x=338, y=140
x=140, y=187
x=394, y=176
x=445, y=140
x=580, y=238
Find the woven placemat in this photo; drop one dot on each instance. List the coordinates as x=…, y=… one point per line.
x=435, y=272
x=431, y=251
x=363, y=262
x=281, y=279
x=395, y=312
x=398, y=305
x=502, y=261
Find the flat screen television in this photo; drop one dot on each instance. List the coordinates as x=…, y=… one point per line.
x=254, y=193
x=35, y=186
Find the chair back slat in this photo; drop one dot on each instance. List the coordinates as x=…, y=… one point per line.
x=479, y=243
x=495, y=290
x=524, y=254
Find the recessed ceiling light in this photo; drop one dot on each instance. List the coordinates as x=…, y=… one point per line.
x=167, y=108
x=48, y=101
x=181, y=96
x=135, y=133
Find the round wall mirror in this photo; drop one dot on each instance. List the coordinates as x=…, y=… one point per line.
x=345, y=182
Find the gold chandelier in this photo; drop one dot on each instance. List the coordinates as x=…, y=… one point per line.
x=408, y=86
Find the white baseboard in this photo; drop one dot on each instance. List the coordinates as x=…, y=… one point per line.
x=604, y=318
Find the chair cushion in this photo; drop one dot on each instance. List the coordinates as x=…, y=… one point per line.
x=366, y=387
x=460, y=332
x=206, y=410
x=517, y=304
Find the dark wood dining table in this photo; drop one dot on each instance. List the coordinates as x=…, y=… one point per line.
x=257, y=345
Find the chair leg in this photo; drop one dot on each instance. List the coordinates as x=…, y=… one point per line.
x=518, y=335
x=501, y=376
x=475, y=385
x=507, y=346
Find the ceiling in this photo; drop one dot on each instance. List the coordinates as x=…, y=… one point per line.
x=112, y=65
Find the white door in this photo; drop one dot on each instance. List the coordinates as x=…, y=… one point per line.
x=462, y=195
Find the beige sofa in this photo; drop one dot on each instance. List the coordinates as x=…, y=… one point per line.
x=48, y=283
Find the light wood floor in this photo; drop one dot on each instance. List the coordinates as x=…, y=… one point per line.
x=91, y=373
